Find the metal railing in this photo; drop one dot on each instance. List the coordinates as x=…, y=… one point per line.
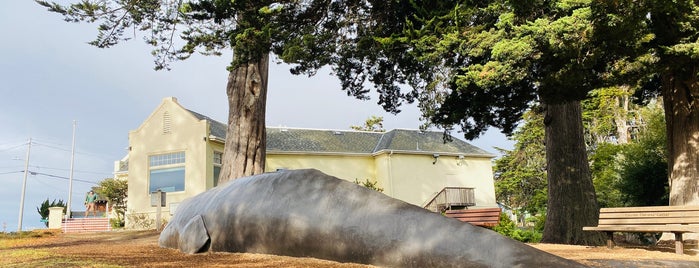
x=451, y=197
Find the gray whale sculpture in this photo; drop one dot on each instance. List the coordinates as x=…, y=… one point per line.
x=306, y=213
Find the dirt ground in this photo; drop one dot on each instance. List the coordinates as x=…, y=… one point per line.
x=140, y=249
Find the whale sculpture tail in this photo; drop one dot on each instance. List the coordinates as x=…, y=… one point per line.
x=192, y=238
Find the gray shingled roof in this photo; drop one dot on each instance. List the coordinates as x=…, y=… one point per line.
x=355, y=142
x=361, y=142
x=216, y=128
x=327, y=141
x=425, y=141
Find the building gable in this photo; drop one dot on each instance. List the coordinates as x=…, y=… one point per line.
x=166, y=117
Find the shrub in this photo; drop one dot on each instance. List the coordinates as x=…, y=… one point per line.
x=508, y=228
x=116, y=223
x=369, y=184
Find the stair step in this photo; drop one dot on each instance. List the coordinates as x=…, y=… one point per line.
x=86, y=225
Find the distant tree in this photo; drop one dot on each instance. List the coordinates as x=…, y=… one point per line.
x=604, y=165
x=373, y=124
x=608, y=114
x=519, y=171
x=43, y=209
x=643, y=167
x=116, y=192
x=520, y=174
x=608, y=117
x=654, y=44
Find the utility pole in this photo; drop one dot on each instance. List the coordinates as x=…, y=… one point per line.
x=70, y=180
x=24, y=186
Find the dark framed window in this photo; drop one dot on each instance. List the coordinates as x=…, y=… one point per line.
x=167, y=172
x=218, y=160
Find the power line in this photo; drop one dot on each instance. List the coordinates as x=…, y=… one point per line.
x=51, y=146
x=59, y=177
x=79, y=171
x=68, y=150
x=13, y=147
x=62, y=169
x=11, y=172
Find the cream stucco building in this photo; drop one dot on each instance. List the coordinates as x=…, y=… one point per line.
x=179, y=151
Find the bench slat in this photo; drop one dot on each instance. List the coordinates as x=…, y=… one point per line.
x=474, y=210
x=650, y=209
x=477, y=218
x=475, y=214
x=649, y=214
x=487, y=217
x=485, y=224
x=641, y=221
x=645, y=228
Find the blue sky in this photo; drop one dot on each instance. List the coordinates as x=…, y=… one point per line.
x=50, y=76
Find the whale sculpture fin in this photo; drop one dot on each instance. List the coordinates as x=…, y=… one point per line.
x=194, y=237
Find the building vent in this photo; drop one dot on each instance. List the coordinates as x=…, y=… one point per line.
x=167, y=123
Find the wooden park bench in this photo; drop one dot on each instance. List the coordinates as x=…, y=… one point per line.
x=484, y=217
x=666, y=219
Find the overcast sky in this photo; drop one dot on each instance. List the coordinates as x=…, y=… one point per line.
x=50, y=77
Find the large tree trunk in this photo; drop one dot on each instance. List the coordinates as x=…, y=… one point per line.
x=244, y=152
x=680, y=99
x=571, y=196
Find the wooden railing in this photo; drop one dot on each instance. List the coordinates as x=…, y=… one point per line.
x=451, y=198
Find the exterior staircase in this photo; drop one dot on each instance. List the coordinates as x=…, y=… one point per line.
x=452, y=198
x=89, y=224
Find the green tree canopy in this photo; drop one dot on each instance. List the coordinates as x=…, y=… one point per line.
x=520, y=180
x=643, y=166
x=43, y=209
x=482, y=64
x=654, y=44
x=116, y=192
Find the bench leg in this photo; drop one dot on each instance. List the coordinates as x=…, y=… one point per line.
x=610, y=239
x=679, y=245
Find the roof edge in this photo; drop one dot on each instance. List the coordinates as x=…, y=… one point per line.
x=386, y=151
x=317, y=153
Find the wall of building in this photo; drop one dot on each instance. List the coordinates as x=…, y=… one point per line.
x=417, y=178
x=344, y=167
x=186, y=133
x=409, y=177
x=212, y=146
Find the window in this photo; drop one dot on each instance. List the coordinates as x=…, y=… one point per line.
x=166, y=159
x=218, y=160
x=167, y=172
